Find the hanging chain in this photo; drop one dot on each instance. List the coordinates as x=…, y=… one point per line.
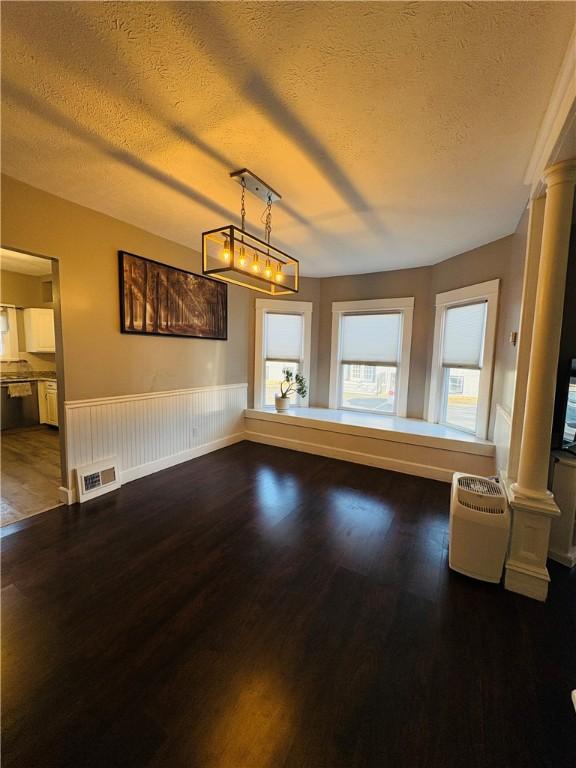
x=243, y=202
x=268, y=224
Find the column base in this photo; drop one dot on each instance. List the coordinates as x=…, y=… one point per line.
x=524, y=498
x=530, y=582
x=526, y=571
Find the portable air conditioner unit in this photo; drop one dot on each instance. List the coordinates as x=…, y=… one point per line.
x=97, y=478
x=479, y=527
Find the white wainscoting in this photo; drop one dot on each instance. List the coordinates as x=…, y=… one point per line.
x=152, y=431
x=502, y=430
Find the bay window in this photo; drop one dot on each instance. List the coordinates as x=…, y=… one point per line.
x=461, y=377
x=371, y=355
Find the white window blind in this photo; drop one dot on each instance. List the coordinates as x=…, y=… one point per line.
x=283, y=336
x=9, y=347
x=371, y=338
x=463, y=344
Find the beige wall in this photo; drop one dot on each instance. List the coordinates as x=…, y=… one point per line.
x=99, y=361
x=22, y=290
x=25, y=291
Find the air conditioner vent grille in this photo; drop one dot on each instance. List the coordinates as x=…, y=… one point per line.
x=481, y=494
x=479, y=485
x=481, y=508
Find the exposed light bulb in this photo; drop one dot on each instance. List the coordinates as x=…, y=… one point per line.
x=242, y=259
x=279, y=276
x=268, y=270
x=255, y=264
x=226, y=251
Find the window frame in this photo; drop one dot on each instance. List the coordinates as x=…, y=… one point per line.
x=470, y=294
x=404, y=306
x=460, y=389
x=280, y=307
x=12, y=339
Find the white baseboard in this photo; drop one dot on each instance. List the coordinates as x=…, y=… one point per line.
x=134, y=473
x=564, y=558
x=67, y=495
x=70, y=495
x=356, y=457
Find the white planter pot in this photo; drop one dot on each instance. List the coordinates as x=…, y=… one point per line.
x=282, y=403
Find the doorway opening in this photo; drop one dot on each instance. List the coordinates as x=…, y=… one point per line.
x=30, y=379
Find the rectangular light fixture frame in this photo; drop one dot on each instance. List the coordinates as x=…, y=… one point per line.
x=214, y=263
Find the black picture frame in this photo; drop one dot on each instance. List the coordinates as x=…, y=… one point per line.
x=175, y=299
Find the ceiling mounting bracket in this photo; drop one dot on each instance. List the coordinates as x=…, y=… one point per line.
x=255, y=185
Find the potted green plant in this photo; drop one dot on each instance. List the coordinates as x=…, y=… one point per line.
x=291, y=383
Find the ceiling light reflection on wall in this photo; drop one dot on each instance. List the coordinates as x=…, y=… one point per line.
x=236, y=256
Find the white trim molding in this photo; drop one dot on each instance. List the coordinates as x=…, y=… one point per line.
x=487, y=291
x=281, y=307
x=405, y=306
x=393, y=429
x=502, y=430
x=558, y=120
x=151, y=431
x=406, y=452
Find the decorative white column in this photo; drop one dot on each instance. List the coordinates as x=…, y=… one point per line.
x=524, y=347
x=532, y=503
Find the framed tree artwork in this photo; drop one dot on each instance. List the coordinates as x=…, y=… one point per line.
x=159, y=300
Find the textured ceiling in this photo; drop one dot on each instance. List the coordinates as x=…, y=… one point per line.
x=24, y=263
x=397, y=133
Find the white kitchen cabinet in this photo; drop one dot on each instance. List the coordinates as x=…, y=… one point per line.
x=39, y=330
x=48, y=402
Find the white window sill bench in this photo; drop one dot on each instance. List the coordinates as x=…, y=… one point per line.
x=411, y=446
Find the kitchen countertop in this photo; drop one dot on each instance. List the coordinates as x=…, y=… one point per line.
x=26, y=377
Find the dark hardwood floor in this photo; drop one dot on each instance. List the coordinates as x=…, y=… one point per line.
x=261, y=608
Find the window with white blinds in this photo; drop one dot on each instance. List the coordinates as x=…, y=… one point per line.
x=9, y=347
x=463, y=343
x=283, y=332
x=370, y=358
x=284, y=339
x=371, y=338
x=463, y=357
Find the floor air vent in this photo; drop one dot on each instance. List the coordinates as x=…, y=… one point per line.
x=98, y=478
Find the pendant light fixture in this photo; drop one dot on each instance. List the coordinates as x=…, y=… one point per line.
x=236, y=256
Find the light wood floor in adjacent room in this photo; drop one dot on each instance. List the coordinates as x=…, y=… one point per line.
x=30, y=472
